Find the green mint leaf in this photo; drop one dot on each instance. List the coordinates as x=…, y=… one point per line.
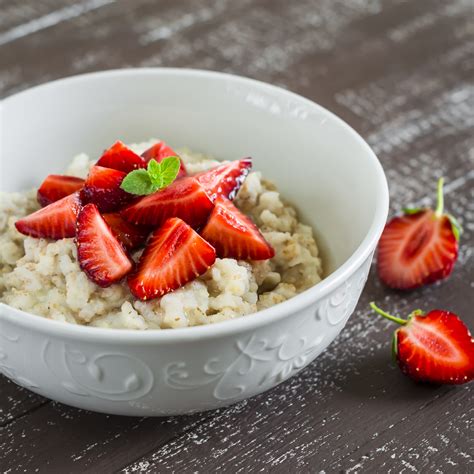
x=157, y=176
x=169, y=170
x=138, y=182
x=154, y=169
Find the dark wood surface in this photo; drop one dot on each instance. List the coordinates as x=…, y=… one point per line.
x=401, y=72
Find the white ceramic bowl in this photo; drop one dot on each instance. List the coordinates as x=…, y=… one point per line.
x=320, y=164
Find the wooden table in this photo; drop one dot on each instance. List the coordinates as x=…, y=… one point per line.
x=401, y=72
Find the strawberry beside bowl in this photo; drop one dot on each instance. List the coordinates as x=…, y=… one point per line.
x=319, y=163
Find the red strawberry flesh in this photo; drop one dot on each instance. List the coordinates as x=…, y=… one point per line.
x=234, y=235
x=436, y=347
x=226, y=179
x=102, y=187
x=417, y=249
x=185, y=198
x=56, y=186
x=55, y=221
x=175, y=255
x=159, y=151
x=120, y=157
x=131, y=236
x=100, y=255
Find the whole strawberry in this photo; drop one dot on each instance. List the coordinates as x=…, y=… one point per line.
x=435, y=347
x=419, y=247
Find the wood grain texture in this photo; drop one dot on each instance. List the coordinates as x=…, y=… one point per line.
x=401, y=72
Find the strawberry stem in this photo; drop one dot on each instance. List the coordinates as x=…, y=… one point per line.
x=386, y=315
x=440, y=204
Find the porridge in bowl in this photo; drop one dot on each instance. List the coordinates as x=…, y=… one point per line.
x=167, y=257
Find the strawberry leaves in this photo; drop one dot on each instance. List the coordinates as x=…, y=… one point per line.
x=157, y=176
x=412, y=210
x=455, y=226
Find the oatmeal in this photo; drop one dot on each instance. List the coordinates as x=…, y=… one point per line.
x=44, y=277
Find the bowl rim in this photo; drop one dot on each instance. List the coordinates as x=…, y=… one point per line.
x=237, y=325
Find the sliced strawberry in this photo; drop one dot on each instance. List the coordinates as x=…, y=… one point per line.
x=175, y=255
x=234, y=235
x=418, y=248
x=121, y=157
x=131, y=236
x=161, y=150
x=100, y=255
x=436, y=347
x=185, y=198
x=55, y=221
x=226, y=179
x=57, y=186
x=102, y=187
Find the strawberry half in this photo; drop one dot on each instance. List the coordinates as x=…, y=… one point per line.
x=436, y=347
x=100, y=255
x=226, y=179
x=121, y=157
x=175, y=255
x=419, y=247
x=159, y=151
x=102, y=187
x=131, y=236
x=184, y=198
x=55, y=221
x=57, y=186
x=234, y=235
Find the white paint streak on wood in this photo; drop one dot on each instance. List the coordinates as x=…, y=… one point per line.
x=183, y=21
x=428, y=19
x=451, y=112
x=257, y=42
x=51, y=19
x=426, y=449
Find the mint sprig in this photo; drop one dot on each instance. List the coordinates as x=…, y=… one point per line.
x=157, y=176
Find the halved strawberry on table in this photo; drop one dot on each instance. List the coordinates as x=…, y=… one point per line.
x=131, y=236
x=57, y=186
x=55, y=221
x=184, y=198
x=435, y=347
x=419, y=247
x=122, y=158
x=226, y=179
x=174, y=256
x=159, y=151
x=102, y=187
x=100, y=255
x=234, y=235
